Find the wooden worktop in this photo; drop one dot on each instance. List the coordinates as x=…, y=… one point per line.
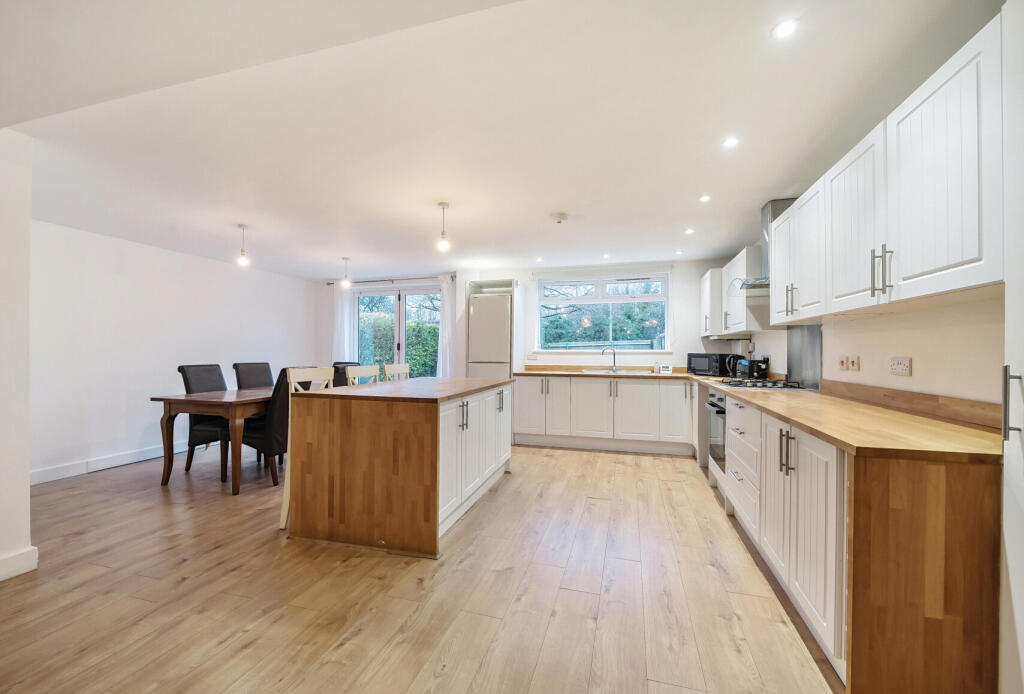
x=870, y=430
x=411, y=390
x=625, y=373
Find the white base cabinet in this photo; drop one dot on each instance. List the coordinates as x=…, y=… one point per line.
x=474, y=442
x=652, y=410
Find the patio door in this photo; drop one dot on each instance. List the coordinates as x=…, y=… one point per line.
x=399, y=326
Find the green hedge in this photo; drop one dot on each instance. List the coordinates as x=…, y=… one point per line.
x=377, y=343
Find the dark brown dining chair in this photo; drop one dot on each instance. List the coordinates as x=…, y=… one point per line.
x=253, y=374
x=205, y=428
x=269, y=434
x=341, y=372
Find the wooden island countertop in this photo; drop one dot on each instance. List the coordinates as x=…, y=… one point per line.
x=411, y=390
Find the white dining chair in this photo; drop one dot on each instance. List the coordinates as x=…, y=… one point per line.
x=396, y=372
x=354, y=373
x=300, y=380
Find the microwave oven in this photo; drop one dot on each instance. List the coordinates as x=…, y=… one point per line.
x=701, y=364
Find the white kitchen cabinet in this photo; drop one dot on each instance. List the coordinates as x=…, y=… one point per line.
x=489, y=425
x=782, y=232
x=449, y=458
x=945, y=188
x=816, y=501
x=775, y=497
x=504, y=426
x=473, y=457
x=674, y=411
x=637, y=409
x=593, y=407
x=711, y=302
x=529, y=405
x=808, y=259
x=743, y=310
x=557, y=414
x=695, y=412
x=855, y=208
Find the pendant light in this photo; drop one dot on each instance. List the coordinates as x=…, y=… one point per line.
x=243, y=259
x=442, y=243
x=346, y=282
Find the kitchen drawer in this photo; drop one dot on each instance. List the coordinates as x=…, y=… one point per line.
x=746, y=418
x=744, y=499
x=744, y=457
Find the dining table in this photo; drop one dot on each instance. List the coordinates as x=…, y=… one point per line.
x=232, y=405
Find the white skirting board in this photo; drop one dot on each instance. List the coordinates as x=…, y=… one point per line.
x=18, y=562
x=80, y=467
x=613, y=445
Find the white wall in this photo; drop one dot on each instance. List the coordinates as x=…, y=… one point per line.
x=110, y=321
x=684, y=308
x=1011, y=619
x=17, y=555
x=945, y=343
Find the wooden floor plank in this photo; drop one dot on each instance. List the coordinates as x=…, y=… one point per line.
x=584, y=569
x=619, y=663
x=563, y=666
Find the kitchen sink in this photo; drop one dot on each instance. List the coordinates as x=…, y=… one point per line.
x=600, y=371
x=620, y=372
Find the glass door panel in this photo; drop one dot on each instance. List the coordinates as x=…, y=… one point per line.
x=378, y=329
x=422, y=327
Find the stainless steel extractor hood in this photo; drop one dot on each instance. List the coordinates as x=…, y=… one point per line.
x=769, y=213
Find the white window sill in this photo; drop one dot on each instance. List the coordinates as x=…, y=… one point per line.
x=592, y=352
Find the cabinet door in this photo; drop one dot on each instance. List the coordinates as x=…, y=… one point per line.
x=449, y=459
x=695, y=410
x=529, y=405
x=592, y=407
x=472, y=472
x=855, y=223
x=733, y=299
x=637, y=409
x=674, y=411
x=775, y=494
x=782, y=230
x=558, y=405
x=504, y=446
x=807, y=254
x=944, y=158
x=815, y=532
x=490, y=422
x=705, y=303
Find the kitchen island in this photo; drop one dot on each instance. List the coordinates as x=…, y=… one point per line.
x=393, y=465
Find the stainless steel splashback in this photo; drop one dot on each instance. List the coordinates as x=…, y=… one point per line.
x=803, y=354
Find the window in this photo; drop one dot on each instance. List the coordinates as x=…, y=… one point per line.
x=399, y=326
x=624, y=313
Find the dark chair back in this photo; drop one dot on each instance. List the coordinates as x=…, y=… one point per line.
x=277, y=416
x=202, y=378
x=341, y=372
x=253, y=374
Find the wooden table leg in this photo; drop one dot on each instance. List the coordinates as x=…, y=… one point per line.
x=167, y=432
x=236, y=423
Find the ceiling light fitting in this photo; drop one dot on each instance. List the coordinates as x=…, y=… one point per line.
x=243, y=259
x=559, y=217
x=705, y=198
x=346, y=282
x=442, y=243
x=730, y=142
x=785, y=29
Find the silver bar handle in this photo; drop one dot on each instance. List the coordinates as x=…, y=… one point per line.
x=736, y=475
x=1007, y=377
x=738, y=431
x=885, y=269
x=789, y=454
x=725, y=319
x=616, y=388
x=736, y=404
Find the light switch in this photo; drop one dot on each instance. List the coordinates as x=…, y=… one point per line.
x=899, y=366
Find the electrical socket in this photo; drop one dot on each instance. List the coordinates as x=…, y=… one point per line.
x=899, y=366
x=844, y=363
x=853, y=362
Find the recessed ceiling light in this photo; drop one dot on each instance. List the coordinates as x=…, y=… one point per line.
x=606, y=256
x=689, y=230
x=705, y=198
x=730, y=142
x=784, y=29
x=540, y=260
x=679, y=252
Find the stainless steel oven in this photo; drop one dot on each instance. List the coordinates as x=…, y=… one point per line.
x=715, y=411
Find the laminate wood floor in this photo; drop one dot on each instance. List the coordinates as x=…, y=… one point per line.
x=579, y=572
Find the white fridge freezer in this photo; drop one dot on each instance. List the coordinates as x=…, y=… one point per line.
x=489, y=348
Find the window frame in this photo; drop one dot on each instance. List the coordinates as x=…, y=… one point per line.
x=601, y=297
x=399, y=292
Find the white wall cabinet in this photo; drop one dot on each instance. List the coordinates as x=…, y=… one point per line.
x=855, y=209
x=711, y=303
x=916, y=207
x=743, y=310
x=944, y=157
x=593, y=407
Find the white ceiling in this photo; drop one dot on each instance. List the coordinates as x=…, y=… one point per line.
x=611, y=111
x=56, y=55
